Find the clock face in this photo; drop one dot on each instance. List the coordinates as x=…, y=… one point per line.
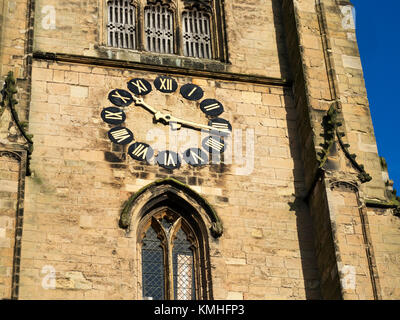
x=122, y=100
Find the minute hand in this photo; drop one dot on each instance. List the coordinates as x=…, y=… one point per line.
x=177, y=123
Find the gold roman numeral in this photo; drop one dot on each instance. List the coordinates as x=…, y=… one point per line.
x=166, y=84
x=212, y=107
x=140, y=151
x=139, y=85
x=214, y=144
x=118, y=95
x=193, y=91
x=196, y=157
x=120, y=135
x=168, y=159
x=113, y=115
x=223, y=127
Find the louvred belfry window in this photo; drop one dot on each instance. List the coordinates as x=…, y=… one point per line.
x=196, y=34
x=159, y=29
x=121, y=26
x=189, y=28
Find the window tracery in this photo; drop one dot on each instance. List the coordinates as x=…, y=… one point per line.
x=121, y=26
x=169, y=252
x=159, y=28
x=191, y=28
x=196, y=34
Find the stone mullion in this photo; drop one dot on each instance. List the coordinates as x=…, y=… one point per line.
x=178, y=43
x=169, y=280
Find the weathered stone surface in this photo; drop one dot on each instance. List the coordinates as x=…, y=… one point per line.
x=289, y=231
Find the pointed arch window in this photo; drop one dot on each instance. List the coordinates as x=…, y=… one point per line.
x=121, y=24
x=172, y=268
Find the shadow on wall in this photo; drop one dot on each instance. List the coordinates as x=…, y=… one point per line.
x=304, y=223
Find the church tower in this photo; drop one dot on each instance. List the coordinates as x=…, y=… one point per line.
x=190, y=150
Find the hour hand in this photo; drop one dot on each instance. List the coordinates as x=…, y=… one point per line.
x=158, y=115
x=140, y=102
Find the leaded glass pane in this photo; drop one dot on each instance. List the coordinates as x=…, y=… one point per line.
x=196, y=34
x=184, y=280
x=121, y=26
x=152, y=267
x=159, y=29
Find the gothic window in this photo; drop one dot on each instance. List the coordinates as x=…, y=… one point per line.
x=159, y=29
x=121, y=26
x=196, y=34
x=170, y=253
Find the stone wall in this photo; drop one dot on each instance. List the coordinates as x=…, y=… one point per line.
x=254, y=34
x=384, y=229
x=13, y=37
x=328, y=74
x=77, y=189
x=9, y=177
x=287, y=233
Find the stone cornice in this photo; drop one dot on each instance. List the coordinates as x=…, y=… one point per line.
x=196, y=68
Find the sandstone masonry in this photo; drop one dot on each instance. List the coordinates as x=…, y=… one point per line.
x=297, y=216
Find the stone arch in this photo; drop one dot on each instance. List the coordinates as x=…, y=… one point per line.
x=171, y=4
x=175, y=195
x=350, y=185
x=186, y=210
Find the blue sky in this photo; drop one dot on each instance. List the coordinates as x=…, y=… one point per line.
x=378, y=28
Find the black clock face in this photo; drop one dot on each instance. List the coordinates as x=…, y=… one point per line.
x=141, y=151
x=139, y=87
x=196, y=157
x=165, y=84
x=192, y=92
x=120, y=98
x=113, y=115
x=169, y=160
x=120, y=135
x=211, y=107
x=217, y=127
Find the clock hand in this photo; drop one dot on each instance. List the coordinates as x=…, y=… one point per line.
x=177, y=123
x=157, y=114
x=140, y=102
x=174, y=122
